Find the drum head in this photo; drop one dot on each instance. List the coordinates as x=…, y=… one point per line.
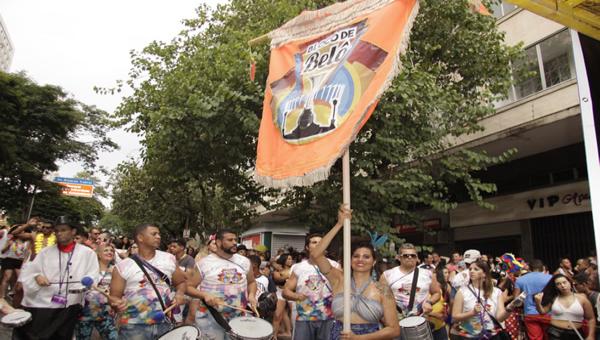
x=412, y=321
x=18, y=317
x=251, y=327
x=180, y=333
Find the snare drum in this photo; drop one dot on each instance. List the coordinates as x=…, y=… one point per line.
x=250, y=328
x=181, y=333
x=415, y=327
x=17, y=318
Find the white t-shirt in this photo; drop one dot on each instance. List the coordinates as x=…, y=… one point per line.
x=401, y=283
x=143, y=304
x=225, y=279
x=315, y=286
x=461, y=279
x=3, y=241
x=262, y=285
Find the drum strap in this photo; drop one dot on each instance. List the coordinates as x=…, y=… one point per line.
x=413, y=290
x=497, y=323
x=140, y=264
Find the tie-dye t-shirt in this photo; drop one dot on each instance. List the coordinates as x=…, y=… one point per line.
x=143, y=306
x=317, y=289
x=96, y=306
x=225, y=279
x=472, y=327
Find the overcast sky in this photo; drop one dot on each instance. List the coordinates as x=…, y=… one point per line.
x=79, y=44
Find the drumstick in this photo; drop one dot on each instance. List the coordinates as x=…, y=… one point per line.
x=236, y=308
x=170, y=308
x=255, y=311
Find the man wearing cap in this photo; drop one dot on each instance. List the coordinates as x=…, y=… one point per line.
x=461, y=275
x=52, y=285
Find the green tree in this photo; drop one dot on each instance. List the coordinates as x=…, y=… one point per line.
x=39, y=126
x=197, y=110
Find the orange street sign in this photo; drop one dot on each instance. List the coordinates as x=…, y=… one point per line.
x=75, y=186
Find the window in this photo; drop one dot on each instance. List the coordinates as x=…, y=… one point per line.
x=527, y=74
x=501, y=9
x=552, y=58
x=557, y=59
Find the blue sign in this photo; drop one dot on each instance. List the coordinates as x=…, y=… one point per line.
x=73, y=180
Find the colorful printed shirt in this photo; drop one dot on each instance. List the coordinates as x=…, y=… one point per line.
x=225, y=279
x=317, y=289
x=401, y=284
x=473, y=327
x=96, y=306
x=143, y=306
x=17, y=249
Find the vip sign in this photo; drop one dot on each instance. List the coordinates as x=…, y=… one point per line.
x=77, y=187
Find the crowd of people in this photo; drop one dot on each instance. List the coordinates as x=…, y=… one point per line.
x=71, y=282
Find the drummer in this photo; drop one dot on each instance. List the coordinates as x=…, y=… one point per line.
x=140, y=289
x=47, y=281
x=400, y=280
x=222, y=277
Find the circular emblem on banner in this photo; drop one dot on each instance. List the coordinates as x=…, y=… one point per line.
x=328, y=79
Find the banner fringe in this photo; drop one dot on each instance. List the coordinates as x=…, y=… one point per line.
x=308, y=179
x=307, y=25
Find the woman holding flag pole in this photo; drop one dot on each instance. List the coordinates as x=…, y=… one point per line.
x=372, y=303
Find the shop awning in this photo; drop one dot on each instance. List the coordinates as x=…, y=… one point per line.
x=580, y=15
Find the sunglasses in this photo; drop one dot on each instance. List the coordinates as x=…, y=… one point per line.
x=407, y=256
x=47, y=228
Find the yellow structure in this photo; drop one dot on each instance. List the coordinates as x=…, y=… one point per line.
x=580, y=15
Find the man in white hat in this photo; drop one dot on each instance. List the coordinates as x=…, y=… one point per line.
x=461, y=276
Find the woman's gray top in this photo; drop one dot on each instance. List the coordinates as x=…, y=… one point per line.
x=368, y=309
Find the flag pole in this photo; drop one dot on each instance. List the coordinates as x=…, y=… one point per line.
x=347, y=241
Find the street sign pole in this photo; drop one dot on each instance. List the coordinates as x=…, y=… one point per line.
x=31, y=203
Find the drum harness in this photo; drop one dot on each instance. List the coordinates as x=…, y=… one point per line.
x=142, y=264
x=413, y=289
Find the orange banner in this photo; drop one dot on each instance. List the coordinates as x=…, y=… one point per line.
x=327, y=70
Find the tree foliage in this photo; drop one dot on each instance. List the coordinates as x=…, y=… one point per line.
x=39, y=126
x=196, y=109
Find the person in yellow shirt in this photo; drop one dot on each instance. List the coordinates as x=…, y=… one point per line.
x=439, y=310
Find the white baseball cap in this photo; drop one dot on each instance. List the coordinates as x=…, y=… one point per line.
x=471, y=256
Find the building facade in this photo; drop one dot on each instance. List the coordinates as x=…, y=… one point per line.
x=542, y=206
x=6, y=47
